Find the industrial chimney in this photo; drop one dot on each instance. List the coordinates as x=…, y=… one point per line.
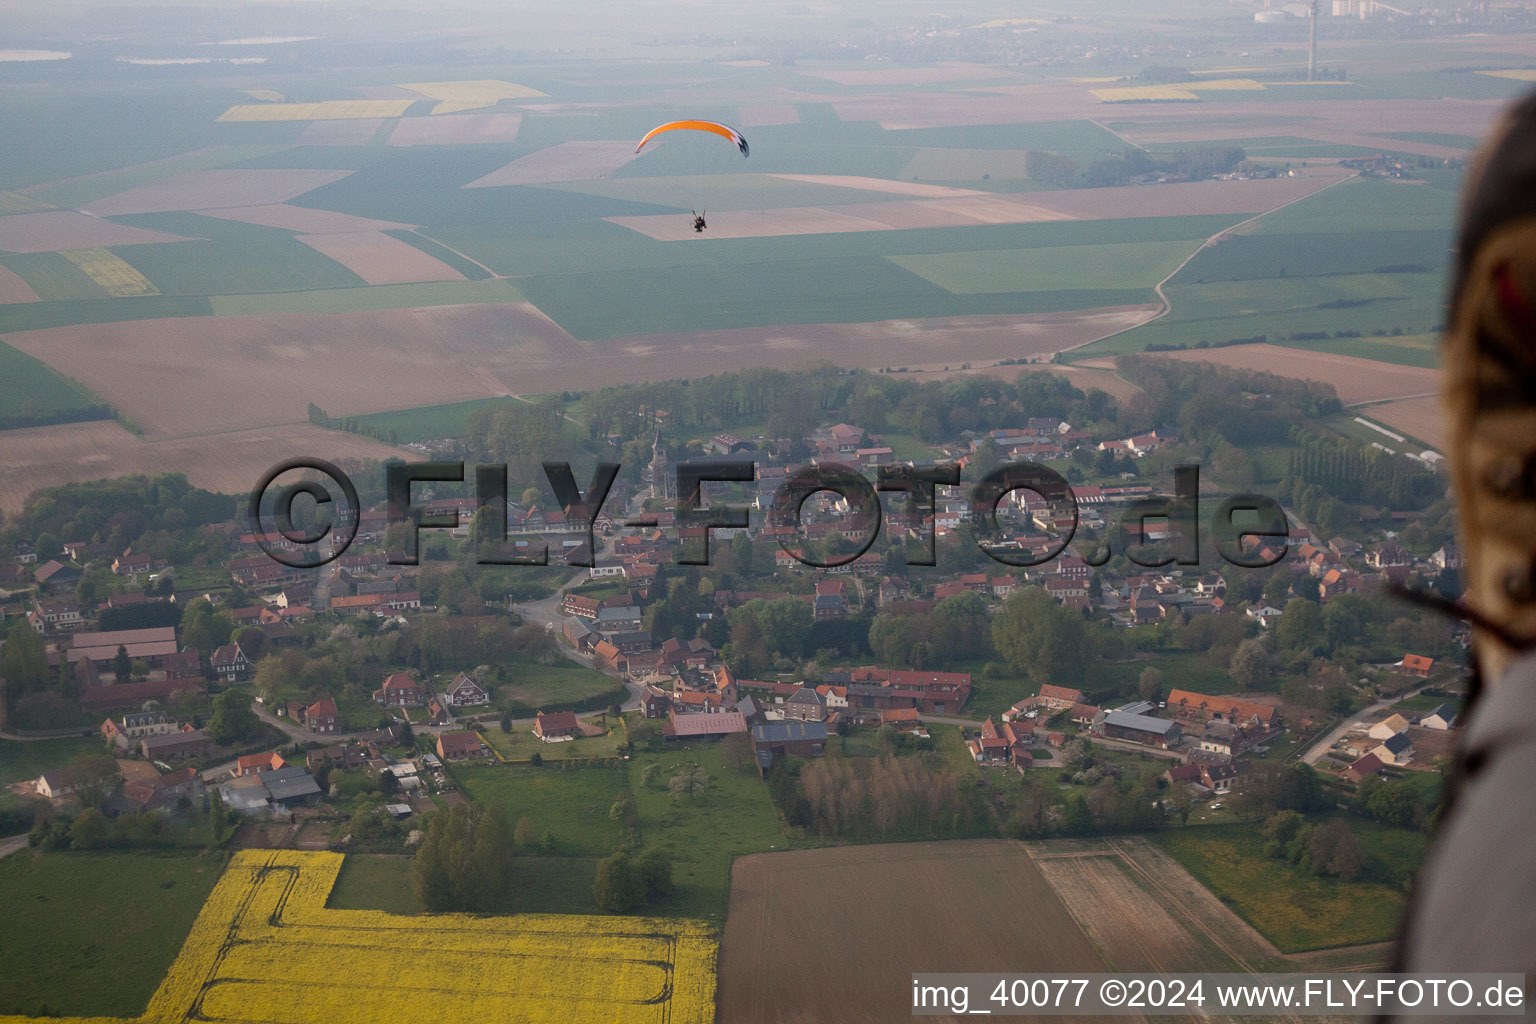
x=1312, y=46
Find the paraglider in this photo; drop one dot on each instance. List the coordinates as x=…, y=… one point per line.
x=725, y=131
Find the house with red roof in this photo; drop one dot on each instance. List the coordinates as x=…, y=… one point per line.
x=400, y=690
x=557, y=725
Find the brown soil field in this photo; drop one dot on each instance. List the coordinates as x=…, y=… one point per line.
x=1417, y=417
x=1354, y=121
x=1171, y=200
x=381, y=259
x=14, y=289
x=818, y=220
x=340, y=131
x=834, y=936
x=1355, y=379
x=57, y=230
x=1190, y=197
x=243, y=372
x=1020, y=104
x=229, y=463
x=455, y=129
x=303, y=219
x=208, y=190
x=236, y=373
x=900, y=188
x=1429, y=744
x=1145, y=912
x=568, y=161
x=752, y=115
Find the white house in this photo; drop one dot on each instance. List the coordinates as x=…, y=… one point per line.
x=1389, y=727
x=1442, y=718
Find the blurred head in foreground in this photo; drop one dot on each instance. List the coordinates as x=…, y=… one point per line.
x=1474, y=907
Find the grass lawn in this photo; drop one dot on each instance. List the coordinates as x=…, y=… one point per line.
x=1294, y=909
x=557, y=686
x=521, y=744
x=573, y=803
x=732, y=816
x=375, y=882
x=540, y=885
x=101, y=929
x=1425, y=702
x=20, y=760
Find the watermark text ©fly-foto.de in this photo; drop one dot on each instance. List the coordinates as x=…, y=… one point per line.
x=293, y=546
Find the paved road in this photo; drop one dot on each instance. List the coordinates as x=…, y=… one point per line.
x=10, y=844
x=1315, y=752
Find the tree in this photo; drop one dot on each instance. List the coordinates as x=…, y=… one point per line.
x=1041, y=638
x=1252, y=666
x=688, y=782
x=1300, y=630
x=232, y=719
x=650, y=775
x=616, y=887
x=89, y=830
x=1333, y=849
x=526, y=835
x=506, y=721
x=25, y=664
x=738, y=751
x=1149, y=685
x=654, y=868
x=122, y=665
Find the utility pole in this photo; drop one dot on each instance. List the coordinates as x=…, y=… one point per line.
x=1312, y=46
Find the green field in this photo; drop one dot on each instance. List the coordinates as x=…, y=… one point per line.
x=355, y=300
x=539, y=885
x=52, y=276
x=555, y=686
x=1294, y=909
x=520, y=744
x=429, y=422
x=101, y=930
x=732, y=816
x=1126, y=265
x=31, y=389
x=230, y=257
x=375, y=882
x=27, y=760
x=571, y=803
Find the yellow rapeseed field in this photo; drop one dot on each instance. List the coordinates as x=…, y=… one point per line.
x=1227, y=84
x=1144, y=93
x=1518, y=74
x=325, y=110
x=265, y=95
x=112, y=272
x=265, y=948
x=458, y=96
x=15, y=202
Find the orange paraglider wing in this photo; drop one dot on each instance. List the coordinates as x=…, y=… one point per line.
x=725, y=131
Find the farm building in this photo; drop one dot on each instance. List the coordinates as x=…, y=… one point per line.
x=782, y=738
x=687, y=727
x=1388, y=727
x=1134, y=727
